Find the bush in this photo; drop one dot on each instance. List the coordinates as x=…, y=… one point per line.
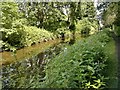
x=20, y=36
x=35, y=35
x=15, y=30
x=85, y=23
x=101, y=37
x=86, y=26
x=107, y=31
x=12, y=38
x=79, y=66
x=61, y=31
x=85, y=31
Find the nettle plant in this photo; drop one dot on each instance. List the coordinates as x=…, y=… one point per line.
x=79, y=66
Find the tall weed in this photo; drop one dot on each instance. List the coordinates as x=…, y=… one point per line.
x=79, y=66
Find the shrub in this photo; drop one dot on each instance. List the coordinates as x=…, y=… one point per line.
x=84, y=24
x=35, y=35
x=85, y=31
x=107, y=31
x=20, y=36
x=79, y=66
x=15, y=30
x=12, y=38
x=65, y=31
x=101, y=37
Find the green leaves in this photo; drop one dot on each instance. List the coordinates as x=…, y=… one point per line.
x=98, y=84
x=20, y=36
x=15, y=30
x=10, y=13
x=82, y=65
x=85, y=27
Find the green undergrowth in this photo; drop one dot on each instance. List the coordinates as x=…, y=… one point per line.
x=22, y=36
x=63, y=33
x=80, y=66
x=29, y=72
x=35, y=35
x=86, y=28
x=15, y=30
x=88, y=64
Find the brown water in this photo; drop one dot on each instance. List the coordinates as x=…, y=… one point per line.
x=30, y=65
x=28, y=52
x=25, y=53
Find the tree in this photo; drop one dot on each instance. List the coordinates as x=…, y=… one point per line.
x=100, y=9
x=117, y=20
x=88, y=10
x=9, y=13
x=75, y=13
x=47, y=15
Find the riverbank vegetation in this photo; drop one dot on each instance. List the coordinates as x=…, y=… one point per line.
x=81, y=66
x=19, y=30
x=13, y=39
x=86, y=56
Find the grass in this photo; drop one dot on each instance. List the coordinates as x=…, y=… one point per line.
x=111, y=70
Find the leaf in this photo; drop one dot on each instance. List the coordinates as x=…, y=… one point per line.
x=98, y=81
x=91, y=69
x=94, y=86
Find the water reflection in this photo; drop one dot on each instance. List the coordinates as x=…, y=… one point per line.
x=24, y=73
x=28, y=69
x=27, y=52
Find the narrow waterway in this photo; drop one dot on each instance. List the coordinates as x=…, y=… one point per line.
x=26, y=66
x=22, y=73
x=26, y=52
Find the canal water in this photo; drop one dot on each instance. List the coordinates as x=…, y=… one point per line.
x=26, y=52
x=26, y=67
